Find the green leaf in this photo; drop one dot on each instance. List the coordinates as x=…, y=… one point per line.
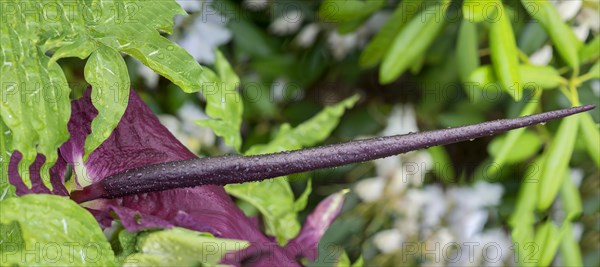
x=6, y=189
x=569, y=195
x=590, y=52
x=35, y=103
x=309, y=133
x=53, y=230
x=301, y=202
x=274, y=198
x=526, y=145
x=504, y=55
x=224, y=104
x=337, y=11
x=443, y=167
x=467, y=52
x=155, y=51
x=523, y=217
x=557, y=160
x=591, y=135
x=382, y=40
x=532, y=76
x=594, y=72
x=107, y=73
x=539, y=76
x=477, y=10
x=36, y=106
x=412, y=41
x=570, y=252
x=547, y=237
x=181, y=247
x=560, y=33
x=509, y=144
x=532, y=38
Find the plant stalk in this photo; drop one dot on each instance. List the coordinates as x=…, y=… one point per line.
x=231, y=169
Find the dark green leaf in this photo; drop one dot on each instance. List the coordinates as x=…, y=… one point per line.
x=412, y=41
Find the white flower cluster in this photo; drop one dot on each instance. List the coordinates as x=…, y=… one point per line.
x=185, y=130
x=441, y=227
x=584, y=18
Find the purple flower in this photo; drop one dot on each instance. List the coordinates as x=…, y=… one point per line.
x=141, y=140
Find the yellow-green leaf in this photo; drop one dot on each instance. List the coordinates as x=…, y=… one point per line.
x=412, y=41
x=591, y=135
x=382, y=40
x=107, y=73
x=560, y=33
x=569, y=195
x=557, y=160
x=504, y=54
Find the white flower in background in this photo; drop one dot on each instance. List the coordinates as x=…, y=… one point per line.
x=371, y=189
x=595, y=85
x=307, y=35
x=287, y=23
x=442, y=243
x=207, y=32
x=191, y=5
x=568, y=8
x=388, y=241
x=341, y=45
x=586, y=18
x=255, y=5
x=541, y=57
x=185, y=130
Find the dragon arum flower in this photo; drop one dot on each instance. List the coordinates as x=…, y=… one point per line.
x=145, y=176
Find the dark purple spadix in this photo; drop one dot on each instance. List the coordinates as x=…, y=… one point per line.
x=239, y=169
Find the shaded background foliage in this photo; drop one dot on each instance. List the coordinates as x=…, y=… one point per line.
x=294, y=57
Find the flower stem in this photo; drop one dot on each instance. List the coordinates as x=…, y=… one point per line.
x=231, y=169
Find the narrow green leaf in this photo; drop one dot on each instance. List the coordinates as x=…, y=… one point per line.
x=591, y=135
x=569, y=194
x=182, y=247
x=523, y=217
x=539, y=76
x=412, y=41
x=346, y=10
x=381, y=42
x=557, y=160
x=501, y=157
x=343, y=260
x=532, y=77
x=560, y=33
x=532, y=38
x=547, y=237
x=443, y=166
x=274, y=198
x=590, y=52
x=478, y=10
x=62, y=233
x=527, y=144
x=301, y=202
x=504, y=54
x=106, y=71
x=467, y=52
x=594, y=71
x=570, y=252
x=6, y=189
x=307, y=134
x=223, y=103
